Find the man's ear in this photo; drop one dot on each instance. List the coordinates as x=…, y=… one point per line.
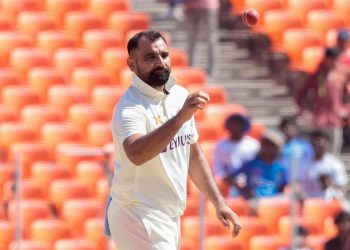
x=131, y=64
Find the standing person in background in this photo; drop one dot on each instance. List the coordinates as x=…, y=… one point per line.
x=342, y=240
x=201, y=17
x=156, y=148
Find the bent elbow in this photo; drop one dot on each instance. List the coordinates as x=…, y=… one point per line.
x=136, y=159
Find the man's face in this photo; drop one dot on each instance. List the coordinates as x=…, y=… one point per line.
x=151, y=62
x=268, y=148
x=289, y=130
x=237, y=129
x=319, y=144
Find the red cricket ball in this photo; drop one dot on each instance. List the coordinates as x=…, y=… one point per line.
x=250, y=17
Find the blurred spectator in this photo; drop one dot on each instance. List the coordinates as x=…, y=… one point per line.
x=201, y=17
x=330, y=191
x=341, y=241
x=300, y=240
x=266, y=175
x=342, y=40
x=296, y=150
x=323, y=163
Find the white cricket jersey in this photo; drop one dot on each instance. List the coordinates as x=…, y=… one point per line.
x=159, y=183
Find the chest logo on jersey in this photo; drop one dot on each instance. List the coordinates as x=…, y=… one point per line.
x=178, y=141
x=157, y=119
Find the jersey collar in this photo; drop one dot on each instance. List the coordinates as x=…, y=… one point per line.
x=148, y=90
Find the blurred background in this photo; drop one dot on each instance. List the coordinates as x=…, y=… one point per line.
x=276, y=131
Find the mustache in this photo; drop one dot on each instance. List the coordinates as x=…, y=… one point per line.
x=165, y=68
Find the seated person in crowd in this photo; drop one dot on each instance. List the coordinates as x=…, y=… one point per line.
x=323, y=163
x=300, y=240
x=237, y=149
x=342, y=240
x=265, y=174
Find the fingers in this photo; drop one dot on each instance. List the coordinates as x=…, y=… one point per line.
x=235, y=223
x=224, y=222
x=198, y=99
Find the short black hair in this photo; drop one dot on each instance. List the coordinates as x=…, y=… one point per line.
x=341, y=217
x=288, y=120
x=302, y=231
x=321, y=134
x=151, y=35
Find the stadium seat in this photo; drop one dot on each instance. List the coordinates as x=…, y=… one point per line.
x=24, y=59
x=42, y=78
x=262, y=6
x=17, y=97
x=13, y=9
x=321, y=21
x=189, y=75
x=102, y=189
x=207, y=132
x=81, y=115
x=113, y=60
x=127, y=21
x=31, y=210
x=270, y=210
x=51, y=40
x=221, y=243
x=277, y=21
x=265, y=242
x=62, y=97
x=29, y=189
x=99, y=133
x=6, y=174
x=89, y=173
x=301, y=8
x=75, y=244
x=330, y=229
x=178, y=57
x=316, y=242
x=65, y=189
x=87, y=78
x=5, y=22
x=93, y=230
x=7, y=233
x=31, y=23
x=96, y=40
x=44, y=172
x=49, y=230
x=76, y=211
x=103, y=8
x=29, y=245
x=238, y=205
x=105, y=98
x=10, y=40
x=312, y=57
x=238, y=6
x=7, y=114
x=208, y=147
x=9, y=77
x=342, y=7
x=217, y=92
x=28, y=153
x=78, y=22
x=66, y=60
x=192, y=206
x=61, y=8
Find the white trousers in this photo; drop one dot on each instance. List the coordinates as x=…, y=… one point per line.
x=133, y=228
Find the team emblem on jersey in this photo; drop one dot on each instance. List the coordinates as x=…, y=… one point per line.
x=157, y=119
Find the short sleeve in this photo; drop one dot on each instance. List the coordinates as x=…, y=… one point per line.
x=340, y=177
x=129, y=120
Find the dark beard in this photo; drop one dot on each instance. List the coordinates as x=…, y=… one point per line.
x=156, y=79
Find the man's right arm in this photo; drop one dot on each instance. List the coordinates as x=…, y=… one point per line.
x=143, y=147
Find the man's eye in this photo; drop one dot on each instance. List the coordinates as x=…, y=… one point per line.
x=165, y=55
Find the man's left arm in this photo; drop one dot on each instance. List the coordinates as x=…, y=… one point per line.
x=202, y=177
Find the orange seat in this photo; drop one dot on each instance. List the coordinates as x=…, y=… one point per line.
x=10, y=40
x=277, y=21
x=60, y=8
x=114, y=60
x=103, y=8
x=330, y=229
x=96, y=41
x=28, y=153
x=6, y=174
x=86, y=78
x=66, y=60
x=78, y=22
x=125, y=77
x=44, y=173
x=9, y=77
x=262, y=6
x=62, y=97
x=221, y=243
x=16, y=97
x=40, y=79
x=51, y=40
x=31, y=210
x=126, y=21
x=77, y=211
x=192, y=206
x=189, y=75
x=318, y=210
x=102, y=189
x=208, y=147
x=105, y=98
x=207, y=132
x=265, y=242
x=23, y=59
x=238, y=6
x=12, y=132
x=64, y=189
x=312, y=57
x=7, y=233
x=99, y=133
x=29, y=189
x=256, y=130
x=178, y=57
x=13, y=9
x=217, y=93
x=295, y=40
x=321, y=21
x=238, y=205
x=54, y=133
x=7, y=114
x=75, y=244
x=49, y=230
x=29, y=245
x=93, y=230
x=284, y=227
x=89, y=173
x=317, y=242
x=5, y=22
x=301, y=8
x=270, y=210
x=81, y=115
x=31, y=23
x=342, y=7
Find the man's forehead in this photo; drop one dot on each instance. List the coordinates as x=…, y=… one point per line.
x=147, y=46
